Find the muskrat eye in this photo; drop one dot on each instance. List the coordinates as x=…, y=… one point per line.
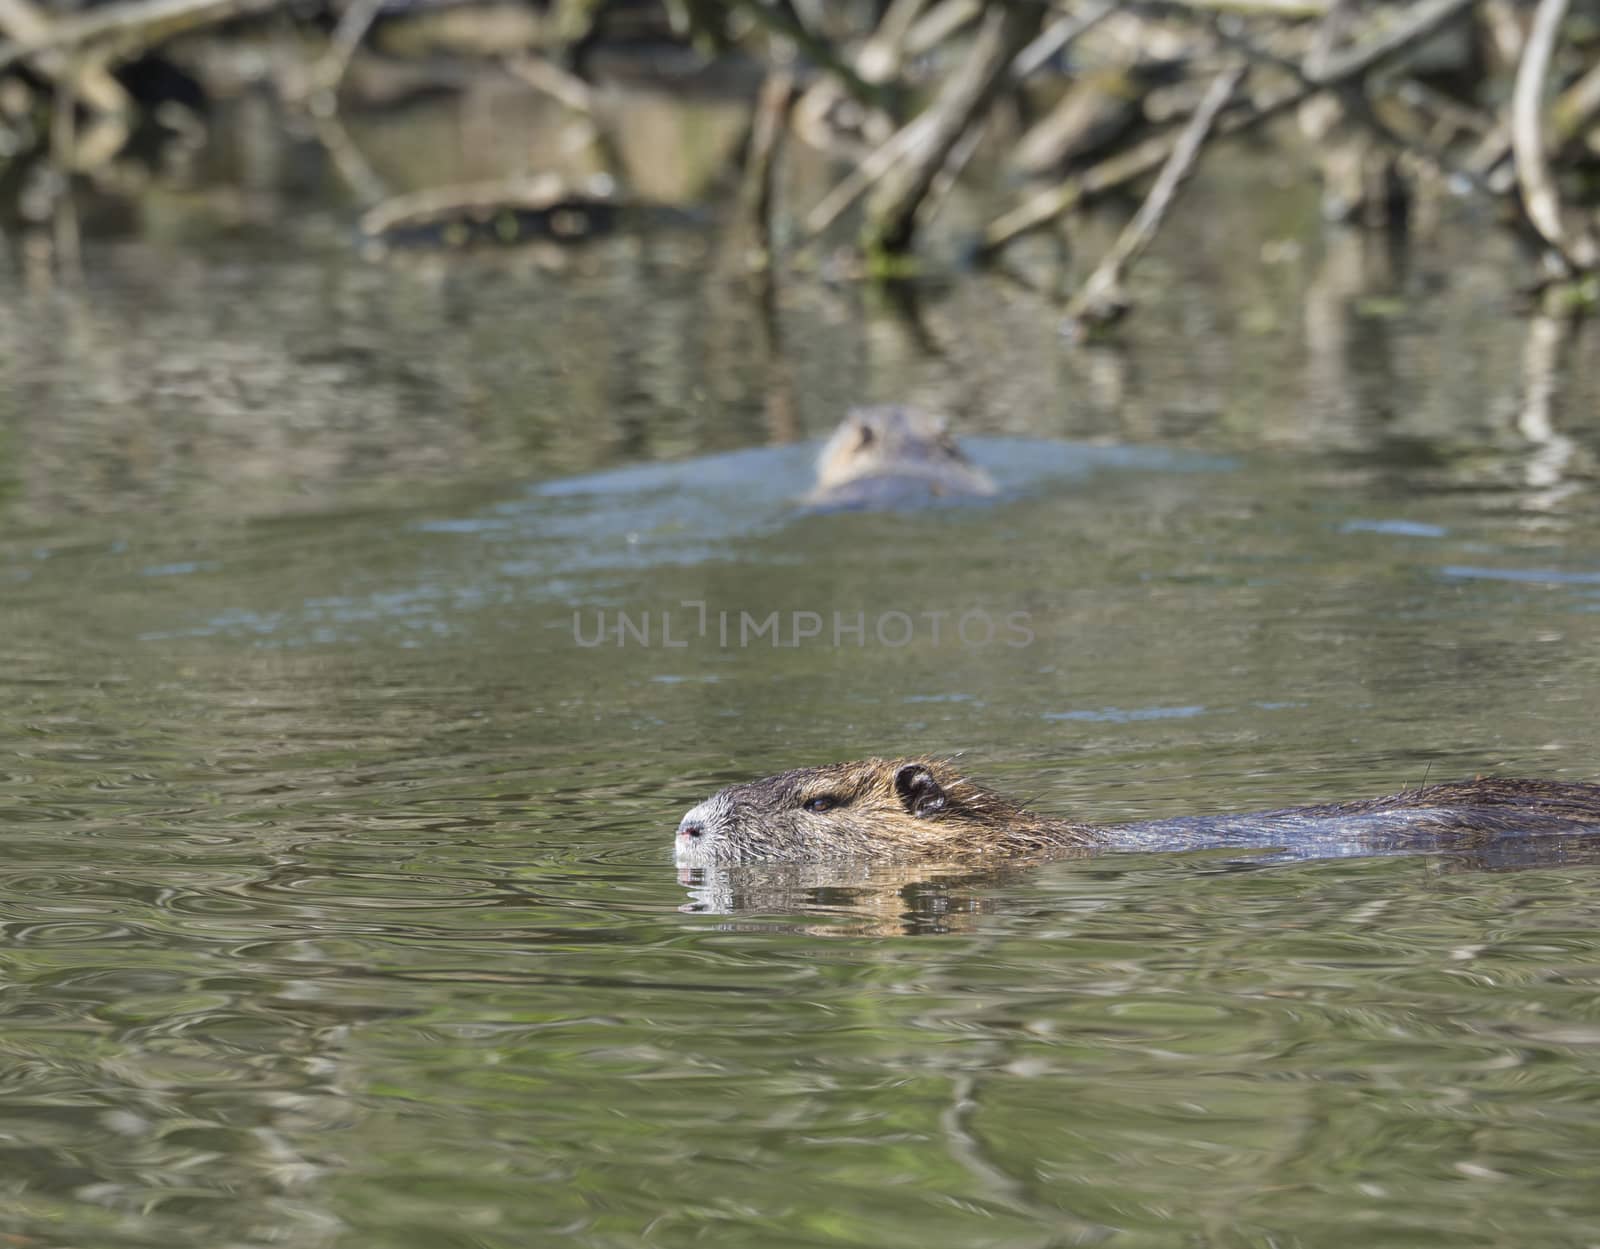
x=821, y=804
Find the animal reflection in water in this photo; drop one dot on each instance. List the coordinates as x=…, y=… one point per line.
x=910, y=844
x=879, y=899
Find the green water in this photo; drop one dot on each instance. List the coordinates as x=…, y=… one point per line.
x=337, y=896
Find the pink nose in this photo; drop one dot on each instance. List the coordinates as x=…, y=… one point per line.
x=689, y=831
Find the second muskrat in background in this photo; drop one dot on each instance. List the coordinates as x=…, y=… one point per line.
x=893, y=456
x=926, y=809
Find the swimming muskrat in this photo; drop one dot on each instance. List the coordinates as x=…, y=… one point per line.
x=925, y=809
x=893, y=456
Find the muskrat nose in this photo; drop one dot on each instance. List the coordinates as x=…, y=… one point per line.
x=698, y=827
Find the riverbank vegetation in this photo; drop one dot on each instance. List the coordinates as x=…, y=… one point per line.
x=1052, y=109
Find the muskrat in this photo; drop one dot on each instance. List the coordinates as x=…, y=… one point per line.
x=925, y=809
x=893, y=456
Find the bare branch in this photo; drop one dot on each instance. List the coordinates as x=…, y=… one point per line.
x=882, y=159
x=353, y=25
x=548, y=78
x=144, y=22
x=1047, y=205
x=1117, y=171
x=962, y=101
x=939, y=23
x=85, y=79
x=1423, y=20
x=1101, y=298
x=1578, y=106
x=1539, y=196
x=1057, y=36
x=782, y=20
x=766, y=136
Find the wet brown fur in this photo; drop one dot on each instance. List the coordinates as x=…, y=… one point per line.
x=767, y=820
x=975, y=820
x=880, y=454
x=873, y=817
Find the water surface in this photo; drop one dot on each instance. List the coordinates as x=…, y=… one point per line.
x=337, y=898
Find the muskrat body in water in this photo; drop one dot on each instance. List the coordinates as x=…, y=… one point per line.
x=925, y=809
x=893, y=456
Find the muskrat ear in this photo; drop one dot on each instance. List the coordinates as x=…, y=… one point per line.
x=918, y=790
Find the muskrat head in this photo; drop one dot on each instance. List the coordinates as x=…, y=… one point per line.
x=892, y=440
x=870, y=809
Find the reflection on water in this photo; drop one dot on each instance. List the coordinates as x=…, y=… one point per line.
x=841, y=899
x=337, y=904
x=845, y=899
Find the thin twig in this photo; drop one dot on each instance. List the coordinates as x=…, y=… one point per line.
x=939, y=23
x=352, y=164
x=876, y=61
x=963, y=99
x=142, y=21
x=550, y=79
x=353, y=25
x=1577, y=106
x=1539, y=197
x=1101, y=299
x=63, y=138
x=91, y=84
x=322, y=102
x=1572, y=111
x=1330, y=32
x=950, y=172
x=766, y=136
x=782, y=20
x=1355, y=103
x=1045, y=206
x=1290, y=9
x=26, y=23
x=1116, y=171
x=1058, y=35
x=1418, y=24
x=1462, y=118
x=877, y=163
x=571, y=92
x=919, y=129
